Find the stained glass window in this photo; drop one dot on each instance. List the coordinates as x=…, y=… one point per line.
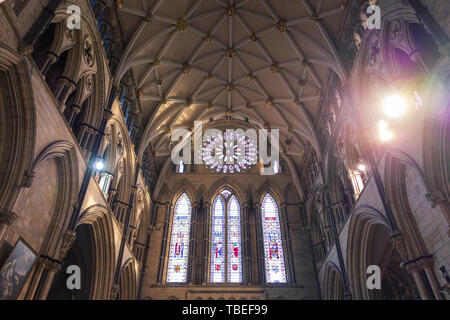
x=179, y=244
x=226, y=255
x=234, y=241
x=218, y=241
x=273, y=246
x=226, y=194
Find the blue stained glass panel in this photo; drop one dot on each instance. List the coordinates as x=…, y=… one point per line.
x=179, y=244
x=234, y=241
x=273, y=245
x=218, y=241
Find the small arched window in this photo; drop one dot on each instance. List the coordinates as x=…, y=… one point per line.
x=273, y=244
x=179, y=240
x=226, y=254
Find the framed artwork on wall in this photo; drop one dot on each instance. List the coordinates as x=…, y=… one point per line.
x=15, y=271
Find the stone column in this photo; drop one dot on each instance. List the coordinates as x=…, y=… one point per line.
x=206, y=243
x=192, y=244
x=47, y=269
x=433, y=282
x=412, y=268
x=52, y=268
x=6, y=219
x=41, y=265
x=288, y=256
x=246, y=249
x=164, y=242
x=426, y=264
x=74, y=113
x=51, y=59
x=259, y=244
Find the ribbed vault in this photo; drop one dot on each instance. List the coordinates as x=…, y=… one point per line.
x=261, y=61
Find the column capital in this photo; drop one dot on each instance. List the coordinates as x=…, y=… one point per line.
x=54, y=266
x=28, y=179
x=25, y=49
x=399, y=245
x=68, y=239
x=107, y=115
x=436, y=197
x=7, y=217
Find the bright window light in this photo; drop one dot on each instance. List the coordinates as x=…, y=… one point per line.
x=99, y=165
x=276, y=167
x=361, y=167
x=384, y=133
x=394, y=106
x=181, y=167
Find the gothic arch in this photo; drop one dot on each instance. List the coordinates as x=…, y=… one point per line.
x=409, y=196
x=103, y=244
x=360, y=244
x=17, y=126
x=436, y=140
x=269, y=187
x=225, y=183
x=128, y=281
x=122, y=158
x=334, y=287
x=67, y=188
x=80, y=67
x=184, y=186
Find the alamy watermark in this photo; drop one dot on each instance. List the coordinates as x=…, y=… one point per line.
x=374, y=279
x=74, y=280
x=74, y=17
x=373, y=17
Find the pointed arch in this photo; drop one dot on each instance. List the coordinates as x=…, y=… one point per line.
x=334, y=287
x=177, y=266
x=274, y=255
x=218, y=240
x=17, y=125
x=128, y=281
x=226, y=237
x=104, y=242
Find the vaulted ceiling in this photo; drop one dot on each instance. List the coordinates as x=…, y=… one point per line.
x=264, y=62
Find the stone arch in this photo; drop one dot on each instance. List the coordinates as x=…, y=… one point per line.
x=423, y=227
x=334, y=286
x=17, y=126
x=225, y=183
x=128, y=281
x=99, y=223
x=370, y=243
x=436, y=133
x=80, y=66
x=269, y=188
x=183, y=187
x=64, y=154
x=122, y=160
